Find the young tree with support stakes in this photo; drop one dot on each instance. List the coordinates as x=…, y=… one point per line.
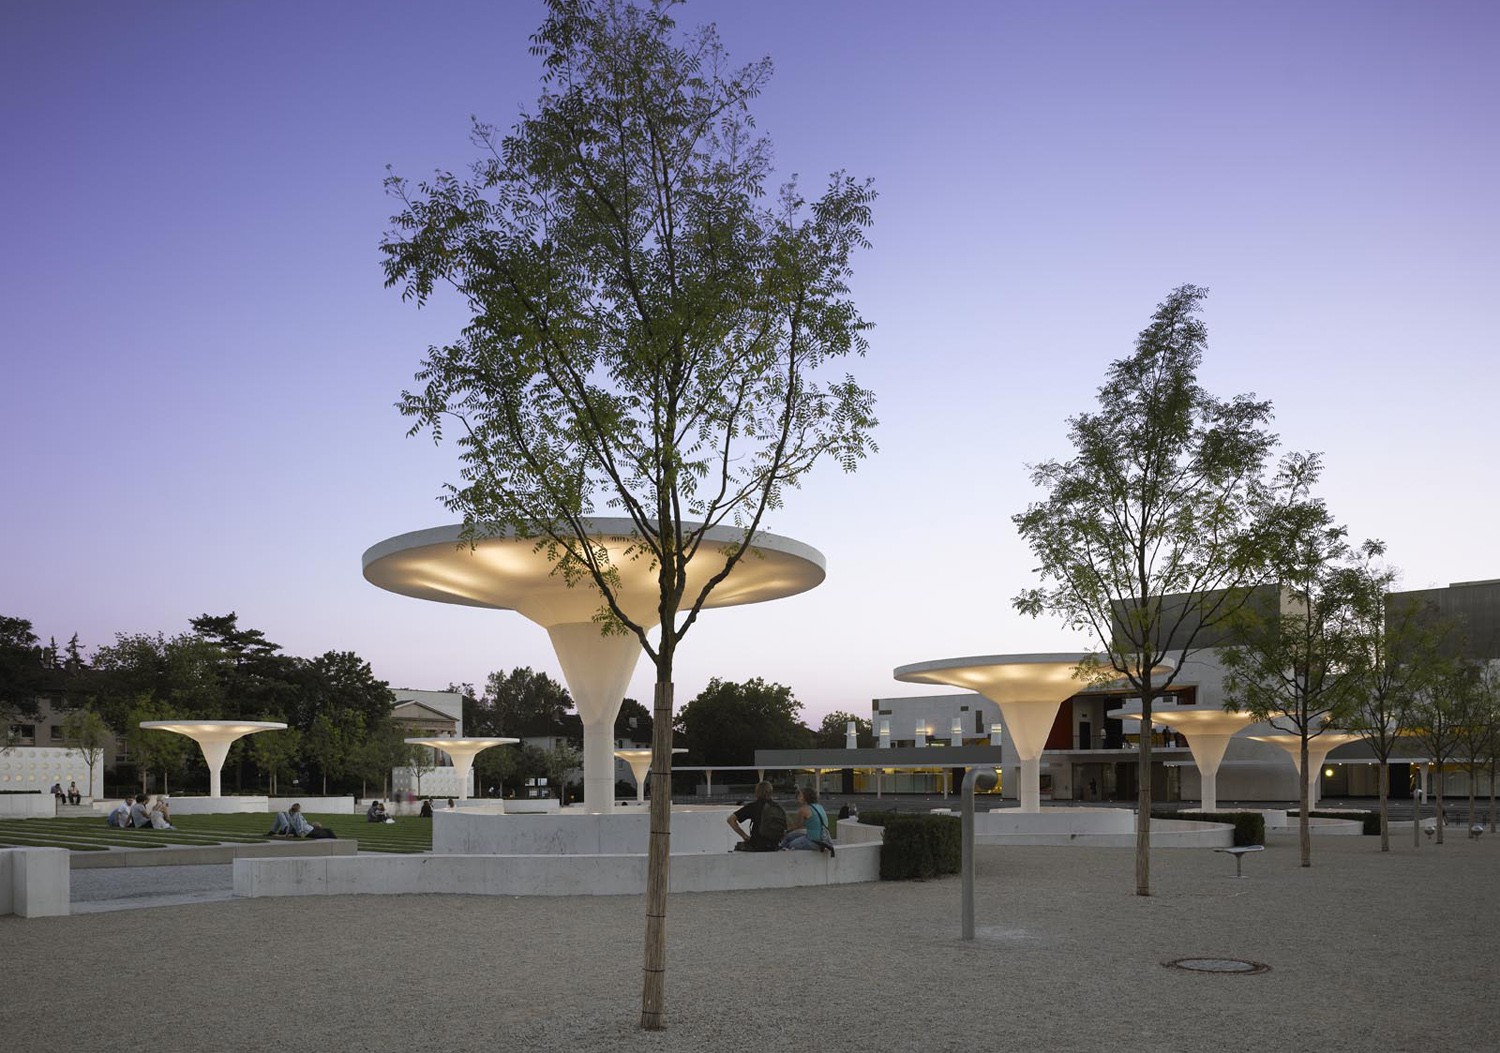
x=1438, y=723
x=1152, y=534
x=1400, y=654
x=650, y=330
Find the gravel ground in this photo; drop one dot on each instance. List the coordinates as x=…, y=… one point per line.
x=1366, y=951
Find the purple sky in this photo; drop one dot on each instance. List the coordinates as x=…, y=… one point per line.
x=200, y=360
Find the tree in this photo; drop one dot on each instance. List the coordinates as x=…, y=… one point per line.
x=1478, y=720
x=649, y=330
x=560, y=762
x=1152, y=534
x=276, y=754
x=331, y=744
x=833, y=732
x=86, y=731
x=151, y=748
x=1437, y=725
x=519, y=703
x=1400, y=655
x=633, y=722
x=1299, y=666
x=22, y=674
x=727, y=722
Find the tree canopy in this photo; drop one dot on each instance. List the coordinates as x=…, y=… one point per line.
x=1155, y=530
x=650, y=329
x=728, y=721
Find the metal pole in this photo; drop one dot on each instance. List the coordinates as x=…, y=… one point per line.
x=981, y=778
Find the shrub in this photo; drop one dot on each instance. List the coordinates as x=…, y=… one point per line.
x=1249, y=827
x=919, y=846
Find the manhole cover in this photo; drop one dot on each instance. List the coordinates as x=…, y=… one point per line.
x=1218, y=965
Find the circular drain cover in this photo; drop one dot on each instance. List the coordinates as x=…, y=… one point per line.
x=1218, y=965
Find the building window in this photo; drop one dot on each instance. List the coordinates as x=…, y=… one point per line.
x=23, y=733
x=55, y=733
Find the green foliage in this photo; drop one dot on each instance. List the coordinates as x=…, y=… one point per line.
x=649, y=328
x=275, y=753
x=918, y=847
x=22, y=674
x=83, y=729
x=1249, y=827
x=1155, y=532
x=153, y=750
x=561, y=763
x=727, y=722
x=833, y=732
x=519, y=703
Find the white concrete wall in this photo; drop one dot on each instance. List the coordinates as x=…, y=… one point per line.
x=34, y=882
x=216, y=805
x=571, y=832
x=40, y=805
x=588, y=875
x=439, y=782
x=38, y=767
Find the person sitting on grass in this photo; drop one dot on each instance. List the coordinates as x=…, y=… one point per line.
x=140, y=817
x=377, y=813
x=161, y=814
x=120, y=817
x=291, y=823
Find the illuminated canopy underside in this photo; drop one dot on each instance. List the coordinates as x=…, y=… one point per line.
x=510, y=573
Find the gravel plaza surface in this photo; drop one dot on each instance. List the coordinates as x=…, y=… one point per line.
x=1367, y=951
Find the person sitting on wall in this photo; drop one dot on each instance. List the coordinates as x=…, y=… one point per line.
x=767, y=821
x=811, y=831
x=426, y=812
x=140, y=815
x=74, y=797
x=291, y=823
x=120, y=816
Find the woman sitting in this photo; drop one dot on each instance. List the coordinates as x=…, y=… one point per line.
x=161, y=814
x=812, y=831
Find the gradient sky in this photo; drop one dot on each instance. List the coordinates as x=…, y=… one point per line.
x=200, y=361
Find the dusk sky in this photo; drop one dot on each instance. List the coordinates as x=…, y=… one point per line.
x=201, y=361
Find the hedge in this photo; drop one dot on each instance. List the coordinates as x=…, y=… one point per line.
x=1249, y=827
x=918, y=847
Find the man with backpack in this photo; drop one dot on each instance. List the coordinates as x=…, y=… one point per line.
x=767, y=821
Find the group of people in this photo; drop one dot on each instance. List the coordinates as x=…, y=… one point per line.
x=376, y=813
x=69, y=796
x=770, y=830
x=134, y=813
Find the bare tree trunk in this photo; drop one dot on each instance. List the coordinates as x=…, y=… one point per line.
x=1417, y=793
x=1304, y=826
x=1492, y=795
x=1143, y=792
x=658, y=860
x=1385, y=805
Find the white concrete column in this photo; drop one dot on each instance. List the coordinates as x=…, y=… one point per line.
x=598, y=670
x=1208, y=751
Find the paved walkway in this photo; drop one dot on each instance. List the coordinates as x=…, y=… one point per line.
x=1366, y=951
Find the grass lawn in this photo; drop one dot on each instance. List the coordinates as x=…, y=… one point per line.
x=91, y=835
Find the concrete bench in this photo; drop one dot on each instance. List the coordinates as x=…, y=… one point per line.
x=34, y=882
x=1239, y=851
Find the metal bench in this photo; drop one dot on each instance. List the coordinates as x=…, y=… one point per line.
x=1238, y=851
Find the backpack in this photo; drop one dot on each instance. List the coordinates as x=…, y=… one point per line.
x=770, y=828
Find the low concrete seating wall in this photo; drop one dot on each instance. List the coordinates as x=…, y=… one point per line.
x=695, y=829
x=27, y=805
x=1096, y=827
x=1282, y=822
x=218, y=805
x=34, y=882
x=550, y=875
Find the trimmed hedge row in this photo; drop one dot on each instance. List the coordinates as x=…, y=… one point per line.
x=1249, y=827
x=917, y=845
